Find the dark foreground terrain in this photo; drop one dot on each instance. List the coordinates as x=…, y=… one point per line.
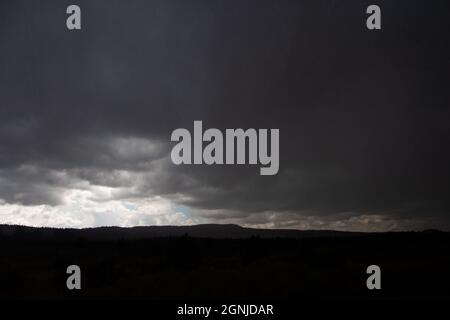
x=188, y=263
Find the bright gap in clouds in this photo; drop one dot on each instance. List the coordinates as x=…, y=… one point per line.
x=81, y=209
x=100, y=193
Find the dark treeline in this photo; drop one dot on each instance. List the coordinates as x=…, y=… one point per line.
x=413, y=265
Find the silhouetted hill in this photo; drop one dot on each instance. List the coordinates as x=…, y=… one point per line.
x=221, y=262
x=215, y=231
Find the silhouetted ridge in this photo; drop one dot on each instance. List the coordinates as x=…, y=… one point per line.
x=217, y=231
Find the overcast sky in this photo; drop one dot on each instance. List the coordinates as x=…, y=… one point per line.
x=86, y=116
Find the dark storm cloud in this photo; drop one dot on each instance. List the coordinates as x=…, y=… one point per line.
x=363, y=116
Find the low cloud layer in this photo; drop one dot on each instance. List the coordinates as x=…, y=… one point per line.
x=86, y=116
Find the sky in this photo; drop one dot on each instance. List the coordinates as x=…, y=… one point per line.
x=86, y=116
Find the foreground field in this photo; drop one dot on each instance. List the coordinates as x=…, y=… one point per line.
x=413, y=265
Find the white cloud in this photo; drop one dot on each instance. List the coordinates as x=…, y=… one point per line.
x=82, y=208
